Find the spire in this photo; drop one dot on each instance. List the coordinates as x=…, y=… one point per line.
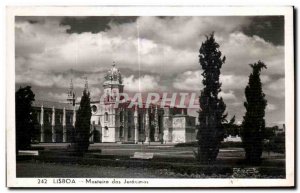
x=71, y=85
x=86, y=85
x=71, y=94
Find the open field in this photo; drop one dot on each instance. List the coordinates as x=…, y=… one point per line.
x=159, y=150
x=113, y=160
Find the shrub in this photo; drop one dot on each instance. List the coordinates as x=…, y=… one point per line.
x=227, y=144
x=276, y=144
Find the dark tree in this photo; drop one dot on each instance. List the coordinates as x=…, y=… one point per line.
x=24, y=117
x=270, y=132
x=230, y=128
x=83, y=124
x=253, y=127
x=212, y=107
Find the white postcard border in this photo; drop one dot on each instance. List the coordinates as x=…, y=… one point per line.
x=287, y=11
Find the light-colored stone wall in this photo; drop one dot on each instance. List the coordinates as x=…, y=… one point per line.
x=108, y=126
x=167, y=127
x=175, y=128
x=178, y=133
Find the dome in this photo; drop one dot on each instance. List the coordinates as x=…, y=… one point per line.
x=114, y=74
x=114, y=70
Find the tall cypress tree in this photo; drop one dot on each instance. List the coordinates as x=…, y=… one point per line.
x=83, y=123
x=212, y=107
x=24, y=117
x=253, y=126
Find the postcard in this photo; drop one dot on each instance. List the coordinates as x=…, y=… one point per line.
x=150, y=97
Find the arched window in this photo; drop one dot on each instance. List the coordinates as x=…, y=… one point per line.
x=49, y=118
x=60, y=118
x=71, y=119
x=106, y=117
x=140, y=122
x=129, y=132
x=121, y=132
x=94, y=109
x=105, y=131
x=38, y=114
x=121, y=116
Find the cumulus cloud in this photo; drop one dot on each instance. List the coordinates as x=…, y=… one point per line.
x=165, y=46
x=46, y=45
x=53, y=96
x=179, y=32
x=188, y=81
x=276, y=88
x=265, y=79
x=241, y=50
x=192, y=81
x=228, y=95
x=271, y=107
x=233, y=81
x=60, y=80
x=142, y=84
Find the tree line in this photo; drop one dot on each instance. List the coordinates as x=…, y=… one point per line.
x=212, y=115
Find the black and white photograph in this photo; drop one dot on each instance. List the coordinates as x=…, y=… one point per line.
x=150, y=97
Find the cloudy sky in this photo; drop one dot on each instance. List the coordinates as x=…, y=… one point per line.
x=158, y=53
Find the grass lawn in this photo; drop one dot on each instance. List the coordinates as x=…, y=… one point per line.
x=165, y=150
x=113, y=160
x=30, y=169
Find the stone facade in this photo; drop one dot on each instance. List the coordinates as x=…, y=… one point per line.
x=55, y=121
x=111, y=124
x=138, y=124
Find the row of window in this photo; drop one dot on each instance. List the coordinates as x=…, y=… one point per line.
x=106, y=117
x=58, y=118
x=106, y=132
x=69, y=119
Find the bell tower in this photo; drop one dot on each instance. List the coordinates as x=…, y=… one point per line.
x=113, y=84
x=109, y=115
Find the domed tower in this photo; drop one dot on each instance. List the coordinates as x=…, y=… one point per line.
x=110, y=117
x=113, y=84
